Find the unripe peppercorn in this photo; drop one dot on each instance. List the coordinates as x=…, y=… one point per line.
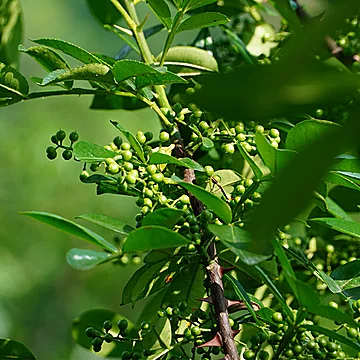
x=90, y=332
x=107, y=325
x=158, y=178
x=164, y=136
x=113, y=168
x=274, y=133
x=51, y=153
x=54, y=139
x=118, y=141
x=149, y=135
x=74, y=136
x=122, y=324
x=84, y=175
x=140, y=136
x=61, y=135
x=209, y=170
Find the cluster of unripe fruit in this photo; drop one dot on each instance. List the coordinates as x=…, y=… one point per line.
x=57, y=139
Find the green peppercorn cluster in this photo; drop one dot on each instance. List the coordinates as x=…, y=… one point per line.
x=57, y=139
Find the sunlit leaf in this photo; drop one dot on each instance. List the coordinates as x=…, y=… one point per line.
x=159, y=158
x=89, y=152
x=226, y=179
x=204, y=19
x=347, y=276
x=162, y=11
x=81, y=259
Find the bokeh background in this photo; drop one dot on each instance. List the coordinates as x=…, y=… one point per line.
x=40, y=294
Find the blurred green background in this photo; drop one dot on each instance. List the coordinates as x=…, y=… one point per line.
x=40, y=294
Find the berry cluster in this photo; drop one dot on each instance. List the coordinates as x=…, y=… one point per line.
x=57, y=139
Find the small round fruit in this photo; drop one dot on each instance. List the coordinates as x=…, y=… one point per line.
x=54, y=139
x=140, y=136
x=206, y=216
x=185, y=199
x=128, y=166
x=239, y=128
x=149, y=135
x=274, y=133
x=161, y=313
x=90, y=332
x=122, y=324
x=84, y=175
x=145, y=326
x=330, y=249
x=127, y=155
x=334, y=304
x=51, y=153
x=74, y=136
x=209, y=170
x=151, y=169
x=240, y=137
x=195, y=331
x=319, y=113
x=352, y=333
x=263, y=355
x=113, y=168
x=136, y=260
x=177, y=108
x=158, y=178
x=248, y=183
x=118, y=141
x=274, y=144
x=164, y=136
x=107, y=325
x=97, y=342
x=277, y=317
x=229, y=148
x=126, y=355
x=108, y=338
x=137, y=355
x=259, y=128
x=248, y=355
x=61, y=135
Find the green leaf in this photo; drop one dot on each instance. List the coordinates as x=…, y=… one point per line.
x=274, y=159
x=238, y=241
x=335, y=177
x=288, y=13
x=91, y=72
x=12, y=83
x=307, y=132
x=347, y=276
x=11, y=349
x=114, y=102
x=250, y=160
x=132, y=140
x=11, y=29
x=158, y=78
x=241, y=293
x=71, y=228
x=167, y=217
x=153, y=237
x=344, y=226
x=89, y=152
x=202, y=20
x=218, y=206
x=332, y=335
x=108, y=223
x=69, y=49
x=227, y=180
x=162, y=11
x=189, y=60
x=160, y=337
x=81, y=259
x=159, y=158
x=104, y=11
x=127, y=69
x=95, y=318
x=336, y=210
x=194, y=4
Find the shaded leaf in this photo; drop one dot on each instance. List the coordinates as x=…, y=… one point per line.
x=194, y=4
x=71, y=228
x=11, y=349
x=344, y=226
x=335, y=177
x=104, y=11
x=336, y=210
x=158, y=78
x=126, y=69
x=89, y=152
x=167, y=217
x=347, y=276
x=153, y=237
x=108, y=223
x=114, y=102
x=202, y=20
x=250, y=160
x=219, y=207
x=81, y=259
x=162, y=11
x=159, y=158
x=12, y=83
x=160, y=337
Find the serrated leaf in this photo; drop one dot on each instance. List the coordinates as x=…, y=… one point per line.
x=91, y=72
x=108, y=223
x=89, y=152
x=344, y=226
x=12, y=83
x=159, y=158
x=132, y=140
x=127, y=69
x=71, y=228
x=69, y=49
x=227, y=179
x=11, y=349
x=219, y=207
x=306, y=132
x=162, y=11
x=347, y=276
x=202, y=20
x=153, y=237
x=81, y=259
x=167, y=217
x=238, y=241
x=158, y=78
x=104, y=11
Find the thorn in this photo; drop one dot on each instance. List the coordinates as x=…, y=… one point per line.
x=208, y=299
x=215, y=341
x=223, y=271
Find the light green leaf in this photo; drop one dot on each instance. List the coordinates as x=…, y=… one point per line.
x=12, y=83
x=218, y=206
x=91, y=72
x=132, y=140
x=11, y=349
x=159, y=158
x=250, y=160
x=306, y=132
x=108, y=223
x=227, y=180
x=202, y=20
x=335, y=210
x=158, y=78
x=162, y=11
x=160, y=337
x=89, y=152
x=167, y=217
x=153, y=237
x=194, y=4
x=347, y=276
x=81, y=259
x=69, y=49
x=71, y=228
x=344, y=226
x=238, y=241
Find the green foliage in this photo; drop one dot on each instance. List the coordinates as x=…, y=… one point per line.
x=10, y=349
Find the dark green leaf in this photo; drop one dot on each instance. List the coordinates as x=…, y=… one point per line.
x=194, y=4
x=162, y=11
x=336, y=210
x=155, y=256
x=227, y=179
x=347, y=276
x=307, y=132
x=239, y=241
x=202, y=20
x=95, y=318
x=11, y=29
x=288, y=13
x=127, y=69
x=114, y=102
x=335, y=177
x=89, y=152
x=10, y=349
x=250, y=160
x=167, y=217
x=12, y=83
x=69, y=49
x=159, y=158
x=345, y=164
x=104, y=11
x=332, y=335
x=71, y=228
x=344, y=226
x=219, y=207
x=108, y=223
x=274, y=159
x=153, y=237
x=158, y=78
x=91, y=72
x=132, y=140
x=81, y=259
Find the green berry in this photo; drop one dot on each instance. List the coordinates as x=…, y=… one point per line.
x=248, y=183
x=97, y=342
x=248, y=355
x=188, y=335
x=90, y=332
x=140, y=136
x=54, y=139
x=184, y=199
x=151, y=169
x=288, y=353
x=203, y=125
x=206, y=216
x=126, y=355
x=124, y=333
x=74, y=136
x=229, y=148
x=331, y=346
x=131, y=179
x=274, y=133
x=274, y=144
x=319, y=113
x=330, y=249
x=158, y=178
x=84, y=175
x=113, y=168
x=136, y=260
x=277, y=317
x=136, y=355
x=333, y=304
x=107, y=325
x=61, y=135
x=259, y=128
x=164, y=136
x=149, y=135
x=239, y=128
x=240, y=137
x=195, y=331
x=161, y=313
x=177, y=108
x=145, y=326
x=128, y=166
x=127, y=155
x=118, y=141
x=108, y=338
x=352, y=333
x=209, y=170
x=122, y=324
x=263, y=355
x=51, y=153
